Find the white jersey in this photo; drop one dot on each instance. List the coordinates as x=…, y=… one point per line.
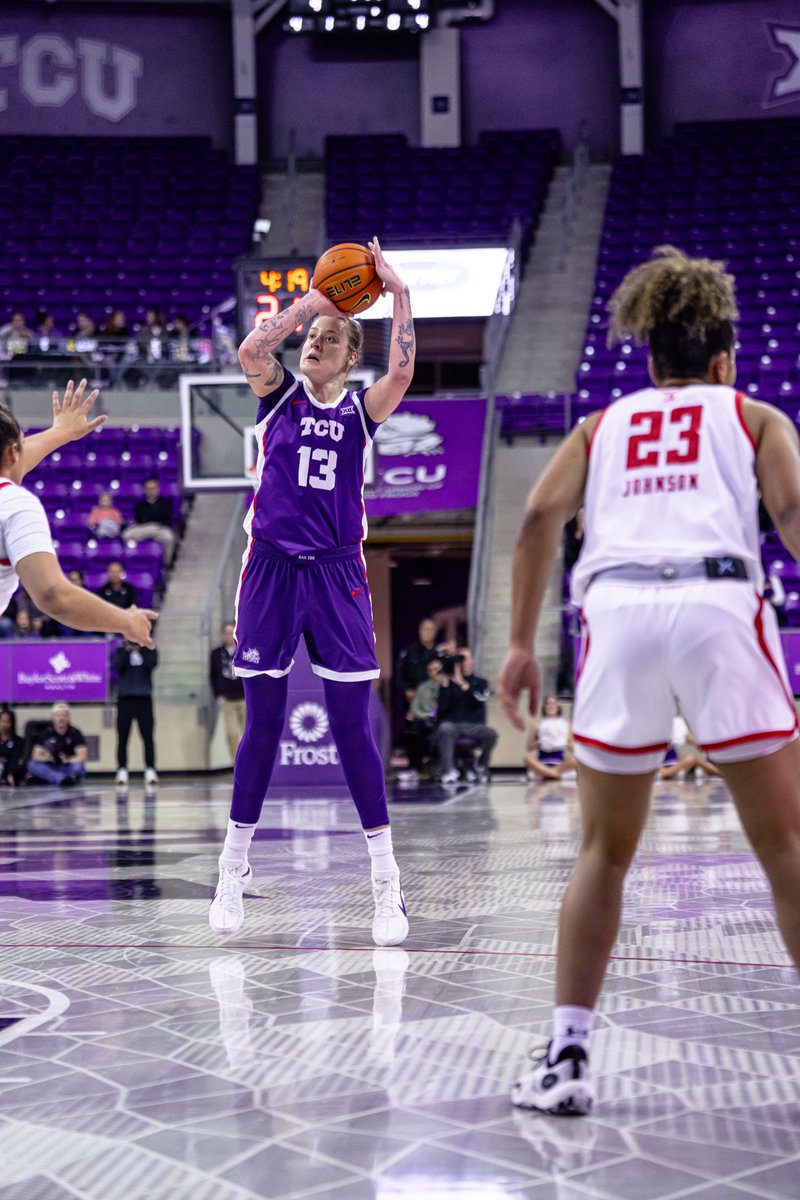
x=671, y=476
x=23, y=530
x=552, y=734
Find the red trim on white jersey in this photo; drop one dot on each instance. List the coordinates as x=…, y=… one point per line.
x=748, y=737
x=587, y=741
x=740, y=398
x=758, y=623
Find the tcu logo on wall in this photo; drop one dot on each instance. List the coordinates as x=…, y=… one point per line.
x=51, y=70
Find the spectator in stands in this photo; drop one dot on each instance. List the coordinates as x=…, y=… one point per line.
x=46, y=332
x=12, y=746
x=59, y=752
x=84, y=329
x=27, y=626
x=115, y=590
x=16, y=334
x=152, y=339
x=116, y=325
x=574, y=532
x=134, y=666
x=228, y=688
x=154, y=519
x=180, y=340
x=412, y=665
x=549, y=746
x=421, y=720
x=57, y=629
x=462, y=714
x=8, y=620
x=105, y=520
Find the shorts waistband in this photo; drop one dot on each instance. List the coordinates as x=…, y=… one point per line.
x=722, y=566
x=334, y=553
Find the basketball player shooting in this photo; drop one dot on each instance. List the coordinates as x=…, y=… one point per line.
x=303, y=574
x=670, y=586
x=27, y=555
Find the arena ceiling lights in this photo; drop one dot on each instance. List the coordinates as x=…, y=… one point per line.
x=347, y=16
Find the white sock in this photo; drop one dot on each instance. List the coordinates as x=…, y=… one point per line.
x=380, y=851
x=571, y=1027
x=237, y=843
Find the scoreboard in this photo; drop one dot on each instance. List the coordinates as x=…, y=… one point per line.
x=266, y=287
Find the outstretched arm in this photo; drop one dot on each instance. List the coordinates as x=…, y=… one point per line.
x=70, y=423
x=386, y=393
x=44, y=581
x=261, y=369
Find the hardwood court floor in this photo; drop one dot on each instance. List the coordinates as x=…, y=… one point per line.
x=143, y=1057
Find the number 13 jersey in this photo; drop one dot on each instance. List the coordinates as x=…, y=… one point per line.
x=310, y=470
x=671, y=475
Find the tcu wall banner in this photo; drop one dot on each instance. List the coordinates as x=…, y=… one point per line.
x=43, y=672
x=426, y=457
x=88, y=71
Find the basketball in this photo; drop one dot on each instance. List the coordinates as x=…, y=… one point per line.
x=346, y=274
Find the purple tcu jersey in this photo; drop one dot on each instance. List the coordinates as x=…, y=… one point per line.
x=310, y=470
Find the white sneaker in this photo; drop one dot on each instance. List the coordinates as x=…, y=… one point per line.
x=227, y=909
x=562, y=1088
x=451, y=777
x=121, y=779
x=390, y=924
x=409, y=776
x=150, y=777
x=471, y=776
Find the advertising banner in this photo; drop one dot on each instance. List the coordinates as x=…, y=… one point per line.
x=43, y=672
x=790, y=641
x=426, y=458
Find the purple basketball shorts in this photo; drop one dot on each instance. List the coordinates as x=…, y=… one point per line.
x=322, y=596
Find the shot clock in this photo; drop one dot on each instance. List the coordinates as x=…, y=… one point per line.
x=266, y=287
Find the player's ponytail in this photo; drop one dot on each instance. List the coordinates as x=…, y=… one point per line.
x=355, y=339
x=10, y=432
x=684, y=308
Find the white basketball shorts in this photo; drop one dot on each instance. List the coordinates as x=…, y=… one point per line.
x=710, y=648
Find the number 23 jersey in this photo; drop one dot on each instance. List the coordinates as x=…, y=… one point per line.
x=671, y=475
x=310, y=470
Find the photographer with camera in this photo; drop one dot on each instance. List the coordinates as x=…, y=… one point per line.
x=462, y=714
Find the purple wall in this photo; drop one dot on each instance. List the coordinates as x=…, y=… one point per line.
x=538, y=64
x=719, y=61
x=341, y=84
x=543, y=64
x=79, y=69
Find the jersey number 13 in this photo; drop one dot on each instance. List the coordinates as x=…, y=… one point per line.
x=317, y=468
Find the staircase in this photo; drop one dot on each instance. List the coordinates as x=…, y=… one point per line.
x=541, y=354
x=294, y=202
x=184, y=642
x=545, y=340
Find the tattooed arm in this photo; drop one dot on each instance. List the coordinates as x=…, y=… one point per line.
x=261, y=369
x=386, y=393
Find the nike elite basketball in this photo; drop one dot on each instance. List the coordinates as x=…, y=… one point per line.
x=346, y=274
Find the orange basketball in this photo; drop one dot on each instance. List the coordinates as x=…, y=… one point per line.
x=346, y=275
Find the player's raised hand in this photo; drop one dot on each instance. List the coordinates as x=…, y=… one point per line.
x=391, y=280
x=323, y=306
x=71, y=416
x=138, y=626
x=520, y=671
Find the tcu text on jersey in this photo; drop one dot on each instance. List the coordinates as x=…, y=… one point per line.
x=321, y=428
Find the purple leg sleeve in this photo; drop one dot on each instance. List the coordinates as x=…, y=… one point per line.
x=348, y=713
x=265, y=712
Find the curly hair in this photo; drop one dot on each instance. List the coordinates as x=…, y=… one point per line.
x=10, y=432
x=684, y=308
